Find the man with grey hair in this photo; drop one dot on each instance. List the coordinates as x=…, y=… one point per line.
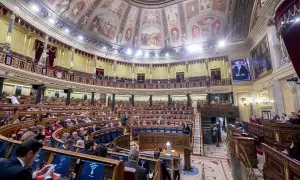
x=132, y=162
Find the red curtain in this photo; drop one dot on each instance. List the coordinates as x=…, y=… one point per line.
x=290, y=31
x=39, y=48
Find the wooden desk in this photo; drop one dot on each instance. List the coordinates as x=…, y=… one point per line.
x=279, y=166
x=279, y=135
x=152, y=141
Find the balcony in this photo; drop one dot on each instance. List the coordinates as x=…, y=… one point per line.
x=26, y=64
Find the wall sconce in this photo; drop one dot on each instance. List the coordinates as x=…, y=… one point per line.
x=244, y=101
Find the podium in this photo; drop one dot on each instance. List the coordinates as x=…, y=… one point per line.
x=187, y=159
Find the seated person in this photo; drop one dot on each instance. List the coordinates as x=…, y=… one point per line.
x=29, y=135
x=68, y=145
x=164, y=171
x=294, y=151
x=186, y=128
x=13, y=99
x=80, y=143
x=101, y=150
x=17, y=167
x=294, y=118
x=133, y=159
x=75, y=136
x=88, y=148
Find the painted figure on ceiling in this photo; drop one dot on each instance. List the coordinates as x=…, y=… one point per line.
x=175, y=34
x=104, y=25
x=219, y=5
x=195, y=31
x=216, y=27
x=63, y=6
x=192, y=9
x=128, y=34
x=78, y=8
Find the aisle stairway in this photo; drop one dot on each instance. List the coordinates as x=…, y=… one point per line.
x=198, y=148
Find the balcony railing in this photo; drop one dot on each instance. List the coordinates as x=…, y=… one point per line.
x=85, y=78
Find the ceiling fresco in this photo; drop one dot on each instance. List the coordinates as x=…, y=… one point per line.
x=120, y=22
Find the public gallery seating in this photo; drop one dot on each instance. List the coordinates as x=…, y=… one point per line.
x=278, y=135
x=273, y=137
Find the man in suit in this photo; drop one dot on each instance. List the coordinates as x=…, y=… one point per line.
x=132, y=162
x=88, y=147
x=18, y=168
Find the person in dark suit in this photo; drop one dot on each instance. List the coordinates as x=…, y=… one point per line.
x=88, y=148
x=133, y=159
x=18, y=168
x=124, y=119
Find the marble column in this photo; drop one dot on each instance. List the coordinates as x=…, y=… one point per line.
x=132, y=100
x=72, y=59
x=277, y=94
x=169, y=73
x=115, y=69
x=113, y=101
x=295, y=97
x=150, y=72
x=235, y=98
x=9, y=33
x=150, y=100
x=94, y=67
x=274, y=45
x=132, y=73
x=188, y=97
x=68, y=99
x=93, y=99
x=1, y=85
x=187, y=69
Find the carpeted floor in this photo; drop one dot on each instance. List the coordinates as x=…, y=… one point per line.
x=216, y=164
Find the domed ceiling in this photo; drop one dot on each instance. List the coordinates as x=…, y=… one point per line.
x=145, y=24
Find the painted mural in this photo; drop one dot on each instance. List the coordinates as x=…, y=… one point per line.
x=106, y=18
x=151, y=29
x=115, y=6
x=261, y=59
x=129, y=28
x=105, y=25
x=190, y=21
x=219, y=5
x=205, y=19
x=192, y=9
x=206, y=27
x=76, y=10
x=173, y=24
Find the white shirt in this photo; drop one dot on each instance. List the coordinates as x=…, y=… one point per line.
x=34, y=174
x=13, y=99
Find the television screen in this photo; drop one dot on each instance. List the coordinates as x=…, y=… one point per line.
x=241, y=70
x=261, y=59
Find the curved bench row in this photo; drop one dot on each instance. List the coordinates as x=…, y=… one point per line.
x=69, y=164
x=136, y=130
